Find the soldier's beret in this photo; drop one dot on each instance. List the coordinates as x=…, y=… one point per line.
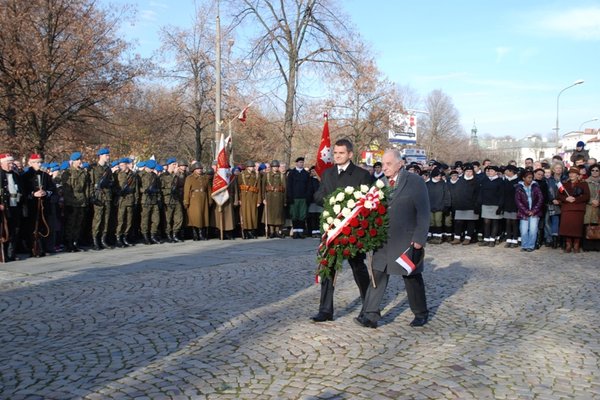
x=249, y=163
x=171, y=160
x=75, y=156
x=141, y=164
x=64, y=165
x=159, y=168
x=85, y=165
x=103, y=151
x=114, y=163
x=125, y=160
x=299, y=159
x=262, y=166
x=275, y=163
x=151, y=164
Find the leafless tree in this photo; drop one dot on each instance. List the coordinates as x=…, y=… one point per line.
x=293, y=34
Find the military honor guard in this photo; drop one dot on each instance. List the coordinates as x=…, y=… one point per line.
x=171, y=183
x=149, y=202
x=197, y=201
x=76, y=190
x=102, y=183
x=250, y=200
x=128, y=190
x=274, y=200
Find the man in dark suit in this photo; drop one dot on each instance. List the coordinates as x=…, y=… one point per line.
x=408, y=209
x=344, y=173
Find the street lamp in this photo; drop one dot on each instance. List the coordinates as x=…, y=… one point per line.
x=578, y=82
x=585, y=122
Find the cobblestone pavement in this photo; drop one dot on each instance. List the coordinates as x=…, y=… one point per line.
x=229, y=320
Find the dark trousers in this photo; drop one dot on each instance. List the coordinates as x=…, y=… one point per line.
x=361, y=277
x=415, y=293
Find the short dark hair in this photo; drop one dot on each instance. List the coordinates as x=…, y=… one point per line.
x=345, y=142
x=557, y=157
x=529, y=158
x=526, y=172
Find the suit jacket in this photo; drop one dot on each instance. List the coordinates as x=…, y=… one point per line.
x=408, y=210
x=330, y=181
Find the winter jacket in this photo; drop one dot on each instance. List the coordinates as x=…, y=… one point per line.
x=585, y=153
x=439, y=196
x=491, y=193
x=509, y=195
x=464, y=194
x=537, y=201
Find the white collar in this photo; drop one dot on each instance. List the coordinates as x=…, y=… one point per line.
x=343, y=167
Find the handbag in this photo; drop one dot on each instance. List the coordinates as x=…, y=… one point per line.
x=592, y=232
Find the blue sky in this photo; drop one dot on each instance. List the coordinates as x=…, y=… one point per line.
x=503, y=63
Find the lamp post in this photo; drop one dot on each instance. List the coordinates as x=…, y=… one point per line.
x=578, y=82
x=585, y=122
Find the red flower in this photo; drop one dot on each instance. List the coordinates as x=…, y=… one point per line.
x=352, y=239
x=354, y=223
x=332, y=252
x=344, y=241
x=346, y=230
x=364, y=223
x=379, y=221
x=346, y=252
x=336, y=241
x=381, y=209
x=365, y=212
x=360, y=233
x=324, y=262
x=360, y=245
x=373, y=232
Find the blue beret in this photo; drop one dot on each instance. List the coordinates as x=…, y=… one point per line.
x=64, y=165
x=85, y=165
x=171, y=160
x=75, y=156
x=262, y=166
x=580, y=144
x=114, y=163
x=103, y=151
x=141, y=164
x=124, y=160
x=151, y=164
x=159, y=168
x=52, y=165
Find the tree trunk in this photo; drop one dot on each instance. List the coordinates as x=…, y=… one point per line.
x=198, y=136
x=288, y=123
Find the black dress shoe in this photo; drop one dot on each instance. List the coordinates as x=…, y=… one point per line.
x=362, y=321
x=322, y=317
x=418, y=322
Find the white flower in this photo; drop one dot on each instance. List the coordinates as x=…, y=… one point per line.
x=351, y=204
x=358, y=195
x=381, y=194
x=337, y=222
x=332, y=200
x=340, y=197
x=325, y=227
x=349, y=189
x=337, y=208
x=379, y=184
x=326, y=214
x=364, y=188
x=369, y=204
x=329, y=220
x=346, y=212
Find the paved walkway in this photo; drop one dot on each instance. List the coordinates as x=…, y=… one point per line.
x=229, y=320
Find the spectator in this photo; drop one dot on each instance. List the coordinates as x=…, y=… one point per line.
x=491, y=199
x=510, y=206
x=573, y=199
x=464, y=197
x=591, y=216
x=580, y=151
x=552, y=217
x=529, y=200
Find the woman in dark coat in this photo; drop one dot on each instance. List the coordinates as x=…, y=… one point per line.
x=529, y=200
x=573, y=199
x=491, y=199
x=511, y=179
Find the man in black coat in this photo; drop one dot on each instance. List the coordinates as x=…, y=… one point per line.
x=299, y=195
x=344, y=173
x=408, y=209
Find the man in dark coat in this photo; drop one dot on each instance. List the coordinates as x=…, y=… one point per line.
x=343, y=174
x=408, y=209
x=298, y=191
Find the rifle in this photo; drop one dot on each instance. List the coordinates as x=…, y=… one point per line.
x=97, y=196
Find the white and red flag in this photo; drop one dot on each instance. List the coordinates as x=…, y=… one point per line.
x=561, y=188
x=406, y=263
x=242, y=114
x=219, y=191
x=324, y=155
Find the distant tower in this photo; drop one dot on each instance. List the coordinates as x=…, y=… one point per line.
x=474, y=141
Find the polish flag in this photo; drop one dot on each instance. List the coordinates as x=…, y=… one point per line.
x=560, y=186
x=406, y=263
x=242, y=114
x=324, y=158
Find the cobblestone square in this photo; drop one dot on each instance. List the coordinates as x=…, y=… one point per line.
x=231, y=320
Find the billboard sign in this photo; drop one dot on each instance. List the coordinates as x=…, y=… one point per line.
x=403, y=128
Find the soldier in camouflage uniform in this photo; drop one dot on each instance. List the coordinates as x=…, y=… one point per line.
x=173, y=207
x=128, y=189
x=250, y=199
x=150, y=203
x=101, y=197
x=274, y=199
x=76, y=190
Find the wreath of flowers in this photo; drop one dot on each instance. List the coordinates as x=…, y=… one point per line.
x=354, y=220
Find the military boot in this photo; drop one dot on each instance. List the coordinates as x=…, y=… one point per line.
x=120, y=241
x=75, y=247
x=155, y=239
x=97, y=245
x=125, y=242
x=105, y=242
x=146, y=238
x=195, y=237
x=175, y=237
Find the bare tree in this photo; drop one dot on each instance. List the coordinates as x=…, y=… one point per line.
x=60, y=61
x=441, y=128
x=293, y=34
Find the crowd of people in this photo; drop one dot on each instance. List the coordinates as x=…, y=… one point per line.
x=67, y=206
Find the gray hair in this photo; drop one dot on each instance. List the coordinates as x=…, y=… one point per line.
x=395, y=152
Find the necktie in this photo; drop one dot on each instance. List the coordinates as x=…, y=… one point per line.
x=392, y=182
x=341, y=171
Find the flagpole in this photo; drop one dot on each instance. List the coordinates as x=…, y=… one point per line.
x=218, y=82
